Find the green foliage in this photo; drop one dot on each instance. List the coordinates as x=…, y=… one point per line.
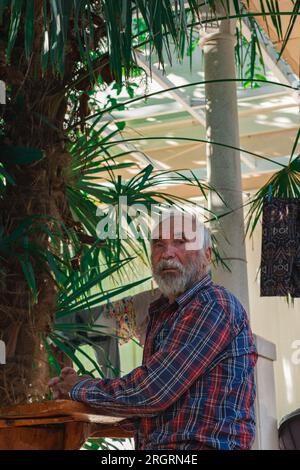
x=109, y=32
x=11, y=155
x=103, y=444
x=119, y=26
x=283, y=184
x=107, y=24
x=249, y=59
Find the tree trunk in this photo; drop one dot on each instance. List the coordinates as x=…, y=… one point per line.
x=40, y=189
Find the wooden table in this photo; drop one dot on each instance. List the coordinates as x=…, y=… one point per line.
x=55, y=425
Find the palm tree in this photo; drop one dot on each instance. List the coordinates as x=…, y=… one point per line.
x=51, y=52
x=52, y=55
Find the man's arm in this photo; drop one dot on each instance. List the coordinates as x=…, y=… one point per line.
x=193, y=342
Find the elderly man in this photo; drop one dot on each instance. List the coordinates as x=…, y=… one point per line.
x=195, y=388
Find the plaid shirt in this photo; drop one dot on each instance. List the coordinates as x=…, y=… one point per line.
x=195, y=388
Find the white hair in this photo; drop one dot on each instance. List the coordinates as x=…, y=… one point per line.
x=207, y=242
x=203, y=229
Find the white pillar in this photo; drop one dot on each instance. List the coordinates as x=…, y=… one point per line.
x=224, y=173
x=2, y=92
x=224, y=167
x=265, y=405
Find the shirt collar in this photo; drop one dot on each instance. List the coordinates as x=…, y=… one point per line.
x=183, y=298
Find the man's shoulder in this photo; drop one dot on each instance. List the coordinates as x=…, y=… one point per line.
x=222, y=299
x=221, y=295
x=218, y=301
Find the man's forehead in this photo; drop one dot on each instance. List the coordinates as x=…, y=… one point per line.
x=176, y=226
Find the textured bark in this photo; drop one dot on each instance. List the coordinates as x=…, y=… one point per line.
x=39, y=189
x=35, y=100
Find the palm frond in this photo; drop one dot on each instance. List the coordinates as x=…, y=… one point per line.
x=283, y=184
x=89, y=25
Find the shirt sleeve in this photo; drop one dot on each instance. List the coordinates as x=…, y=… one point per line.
x=193, y=342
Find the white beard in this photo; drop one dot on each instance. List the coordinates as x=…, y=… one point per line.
x=179, y=282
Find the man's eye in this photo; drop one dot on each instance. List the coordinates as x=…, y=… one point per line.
x=158, y=244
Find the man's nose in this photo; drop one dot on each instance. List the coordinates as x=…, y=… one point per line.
x=169, y=252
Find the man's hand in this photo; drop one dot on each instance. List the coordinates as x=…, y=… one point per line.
x=61, y=386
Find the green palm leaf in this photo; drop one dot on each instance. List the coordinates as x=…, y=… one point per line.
x=283, y=184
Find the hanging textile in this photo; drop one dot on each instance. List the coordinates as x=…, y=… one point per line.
x=131, y=315
x=120, y=311
x=280, y=257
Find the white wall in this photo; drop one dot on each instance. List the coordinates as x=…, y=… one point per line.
x=276, y=321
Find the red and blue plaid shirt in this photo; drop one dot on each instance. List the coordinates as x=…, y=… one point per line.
x=195, y=388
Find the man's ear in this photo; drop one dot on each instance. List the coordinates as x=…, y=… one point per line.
x=208, y=254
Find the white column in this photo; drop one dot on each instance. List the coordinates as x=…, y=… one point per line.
x=224, y=167
x=265, y=404
x=2, y=92
x=224, y=173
